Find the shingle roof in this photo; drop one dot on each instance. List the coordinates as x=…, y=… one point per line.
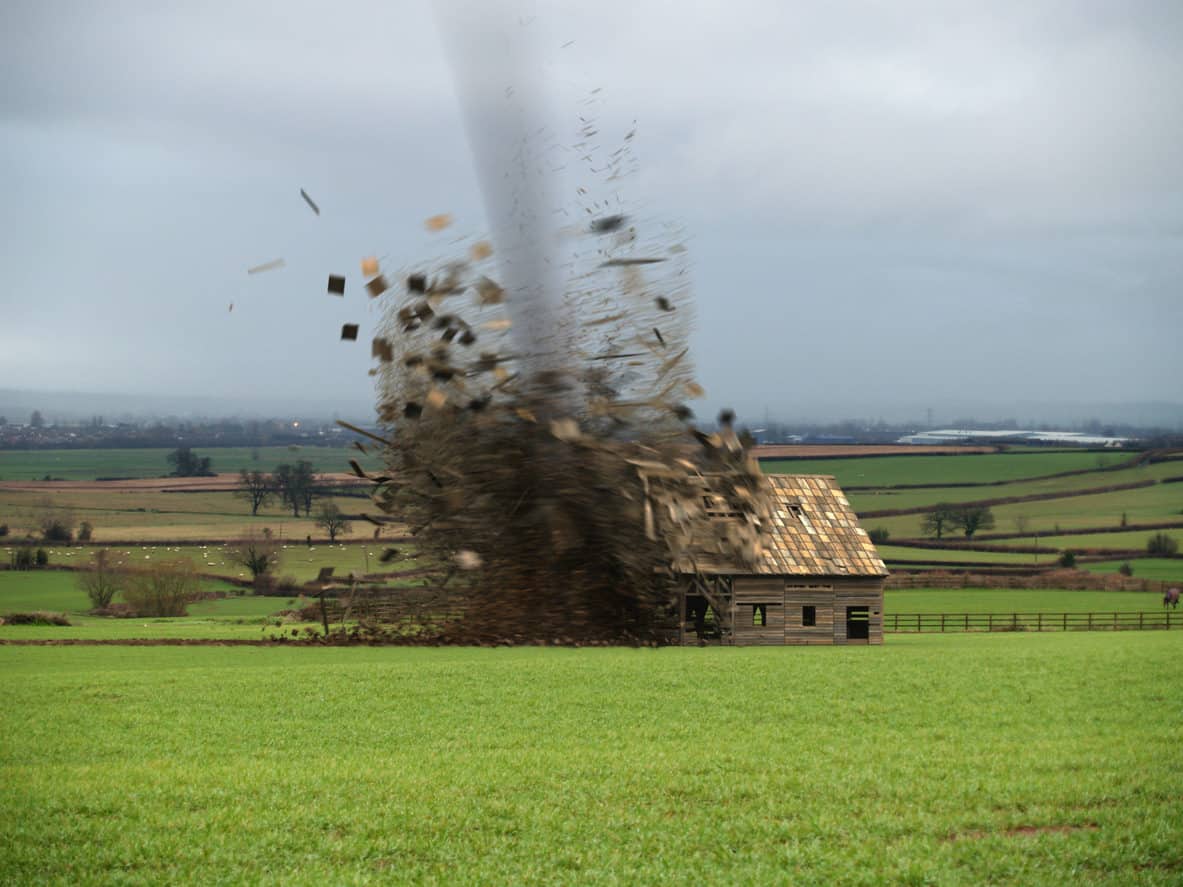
x=810, y=531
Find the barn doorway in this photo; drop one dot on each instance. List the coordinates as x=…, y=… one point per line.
x=858, y=623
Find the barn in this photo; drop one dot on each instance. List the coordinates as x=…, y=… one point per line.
x=815, y=579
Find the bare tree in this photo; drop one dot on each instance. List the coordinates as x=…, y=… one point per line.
x=330, y=519
x=102, y=580
x=164, y=589
x=1022, y=524
x=255, y=487
x=258, y=552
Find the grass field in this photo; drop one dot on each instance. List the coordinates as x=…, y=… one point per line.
x=887, y=471
x=879, y=500
x=950, y=760
x=152, y=515
x=927, y=555
x=1144, y=568
x=153, y=462
x=1005, y=600
x=1161, y=502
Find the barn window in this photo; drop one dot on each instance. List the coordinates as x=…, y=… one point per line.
x=809, y=615
x=759, y=614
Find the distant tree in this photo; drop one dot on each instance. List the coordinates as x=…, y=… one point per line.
x=257, y=552
x=1125, y=521
x=937, y=520
x=102, y=580
x=54, y=523
x=3, y=421
x=164, y=589
x=330, y=519
x=1125, y=569
x=37, y=420
x=186, y=463
x=296, y=485
x=971, y=518
x=1162, y=545
x=41, y=558
x=3, y=530
x=1067, y=559
x=22, y=558
x=879, y=535
x=85, y=531
x=1022, y=524
x=255, y=487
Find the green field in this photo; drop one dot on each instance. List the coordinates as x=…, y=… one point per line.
x=121, y=514
x=888, y=471
x=1161, y=502
x=1006, y=600
x=1021, y=759
x=1153, y=568
x=882, y=500
x=897, y=553
x=153, y=462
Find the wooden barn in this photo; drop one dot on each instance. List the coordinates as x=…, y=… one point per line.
x=817, y=578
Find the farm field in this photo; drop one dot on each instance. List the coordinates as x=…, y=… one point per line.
x=928, y=555
x=1006, y=600
x=887, y=471
x=1135, y=539
x=1162, y=502
x=1168, y=570
x=1003, y=759
x=153, y=462
x=884, y=499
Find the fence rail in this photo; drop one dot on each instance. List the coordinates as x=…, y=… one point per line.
x=921, y=623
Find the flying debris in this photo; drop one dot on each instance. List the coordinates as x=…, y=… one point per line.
x=607, y=224
x=369, y=267
x=336, y=285
x=231, y=308
x=266, y=266
x=309, y=201
x=349, y=332
x=377, y=286
x=625, y=262
x=438, y=223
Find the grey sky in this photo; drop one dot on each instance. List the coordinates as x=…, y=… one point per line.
x=890, y=205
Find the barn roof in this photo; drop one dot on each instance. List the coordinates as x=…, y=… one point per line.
x=810, y=530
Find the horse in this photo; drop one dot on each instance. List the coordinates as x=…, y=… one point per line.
x=1170, y=598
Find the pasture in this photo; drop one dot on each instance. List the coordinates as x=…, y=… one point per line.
x=960, y=759
x=153, y=462
x=979, y=468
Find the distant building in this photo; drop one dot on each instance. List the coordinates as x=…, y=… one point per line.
x=1016, y=436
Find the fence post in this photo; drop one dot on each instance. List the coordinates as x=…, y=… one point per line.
x=967, y=621
x=1065, y=628
x=918, y=623
x=1140, y=615
x=1090, y=621
x=1040, y=622
x=990, y=623
x=942, y=623
x=1115, y=622
x=1014, y=621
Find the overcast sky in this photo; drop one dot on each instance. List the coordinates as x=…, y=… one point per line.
x=889, y=205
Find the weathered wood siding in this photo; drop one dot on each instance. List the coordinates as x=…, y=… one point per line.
x=798, y=596
x=784, y=601
x=858, y=593
x=750, y=591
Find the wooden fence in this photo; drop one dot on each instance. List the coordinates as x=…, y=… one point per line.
x=923, y=623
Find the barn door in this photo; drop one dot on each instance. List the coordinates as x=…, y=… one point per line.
x=858, y=623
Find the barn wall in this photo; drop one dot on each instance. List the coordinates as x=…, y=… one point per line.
x=784, y=600
x=799, y=595
x=862, y=592
x=747, y=591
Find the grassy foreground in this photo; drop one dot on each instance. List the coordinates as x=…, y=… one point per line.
x=955, y=760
